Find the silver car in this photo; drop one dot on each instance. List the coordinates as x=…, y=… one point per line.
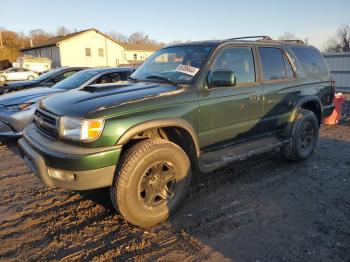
x=13, y=73
x=17, y=109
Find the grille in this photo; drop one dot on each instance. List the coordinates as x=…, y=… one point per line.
x=46, y=123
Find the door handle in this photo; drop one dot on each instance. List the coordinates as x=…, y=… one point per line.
x=254, y=98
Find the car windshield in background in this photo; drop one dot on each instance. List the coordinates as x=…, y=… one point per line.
x=48, y=74
x=76, y=80
x=173, y=64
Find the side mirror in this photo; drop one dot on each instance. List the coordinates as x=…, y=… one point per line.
x=221, y=78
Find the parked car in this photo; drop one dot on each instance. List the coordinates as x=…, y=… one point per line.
x=17, y=109
x=192, y=106
x=13, y=73
x=47, y=79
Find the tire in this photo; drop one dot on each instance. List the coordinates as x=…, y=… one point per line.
x=30, y=77
x=2, y=79
x=140, y=192
x=304, y=135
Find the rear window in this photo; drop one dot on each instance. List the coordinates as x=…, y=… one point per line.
x=312, y=62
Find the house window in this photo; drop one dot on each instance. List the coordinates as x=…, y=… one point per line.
x=135, y=56
x=124, y=56
x=117, y=62
x=51, y=52
x=100, y=52
x=87, y=51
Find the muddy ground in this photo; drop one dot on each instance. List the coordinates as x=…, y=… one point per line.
x=262, y=209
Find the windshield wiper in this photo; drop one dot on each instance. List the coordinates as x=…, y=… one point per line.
x=163, y=78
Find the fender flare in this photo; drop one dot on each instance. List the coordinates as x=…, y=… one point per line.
x=166, y=122
x=299, y=104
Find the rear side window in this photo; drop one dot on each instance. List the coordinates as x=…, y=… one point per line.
x=275, y=64
x=312, y=62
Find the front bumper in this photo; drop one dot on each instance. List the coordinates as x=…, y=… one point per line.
x=60, y=164
x=327, y=110
x=7, y=132
x=12, y=123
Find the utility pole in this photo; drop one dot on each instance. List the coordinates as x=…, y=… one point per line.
x=1, y=40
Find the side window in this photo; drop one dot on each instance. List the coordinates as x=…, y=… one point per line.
x=87, y=51
x=103, y=79
x=68, y=74
x=64, y=75
x=312, y=61
x=239, y=60
x=273, y=63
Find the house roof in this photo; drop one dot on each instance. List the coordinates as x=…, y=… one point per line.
x=56, y=40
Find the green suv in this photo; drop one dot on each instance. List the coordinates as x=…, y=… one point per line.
x=190, y=107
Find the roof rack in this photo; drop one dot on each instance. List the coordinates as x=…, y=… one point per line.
x=262, y=37
x=294, y=41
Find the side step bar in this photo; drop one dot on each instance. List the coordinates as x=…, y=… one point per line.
x=212, y=160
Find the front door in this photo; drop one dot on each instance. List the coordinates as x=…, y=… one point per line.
x=231, y=113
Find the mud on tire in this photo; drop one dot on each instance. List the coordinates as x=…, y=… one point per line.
x=151, y=181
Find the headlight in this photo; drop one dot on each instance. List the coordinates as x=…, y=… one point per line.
x=80, y=129
x=20, y=107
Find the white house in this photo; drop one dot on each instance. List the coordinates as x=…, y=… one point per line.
x=89, y=48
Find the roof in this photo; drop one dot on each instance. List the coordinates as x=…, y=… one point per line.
x=240, y=40
x=56, y=40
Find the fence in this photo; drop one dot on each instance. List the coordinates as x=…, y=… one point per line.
x=339, y=66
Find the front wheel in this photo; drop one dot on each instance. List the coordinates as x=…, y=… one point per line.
x=2, y=79
x=304, y=135
x=152, y=180
x=31, y=77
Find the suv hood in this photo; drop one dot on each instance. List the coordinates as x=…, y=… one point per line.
x=27, y=96
x=86, y=101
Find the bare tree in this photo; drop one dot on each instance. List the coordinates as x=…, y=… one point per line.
x=287, y=36
x=118, y=36
x=341, y=41
x=62, y=30
x=138, y=38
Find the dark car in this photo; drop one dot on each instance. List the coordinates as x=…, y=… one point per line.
x=192, y=106
x=47, y=79
x=17, y=109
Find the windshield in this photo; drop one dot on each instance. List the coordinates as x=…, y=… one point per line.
x=48, y=74
x=76, y=80
x=176, y=64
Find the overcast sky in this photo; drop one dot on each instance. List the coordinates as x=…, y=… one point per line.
x=183, y=19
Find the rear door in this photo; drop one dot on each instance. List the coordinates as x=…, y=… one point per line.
x=231, y=113
x=279, y=81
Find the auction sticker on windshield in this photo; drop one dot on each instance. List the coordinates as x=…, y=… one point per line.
x=188, y=70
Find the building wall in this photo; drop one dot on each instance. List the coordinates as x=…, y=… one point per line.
x=136, y=55
x=73, y=51
x=51, y=52
x=339, y=66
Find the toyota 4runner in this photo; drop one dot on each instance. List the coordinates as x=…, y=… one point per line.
x=193, y=106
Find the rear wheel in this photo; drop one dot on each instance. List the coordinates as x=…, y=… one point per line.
x=31, y=77
x=152, y=180
x=303, y=138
